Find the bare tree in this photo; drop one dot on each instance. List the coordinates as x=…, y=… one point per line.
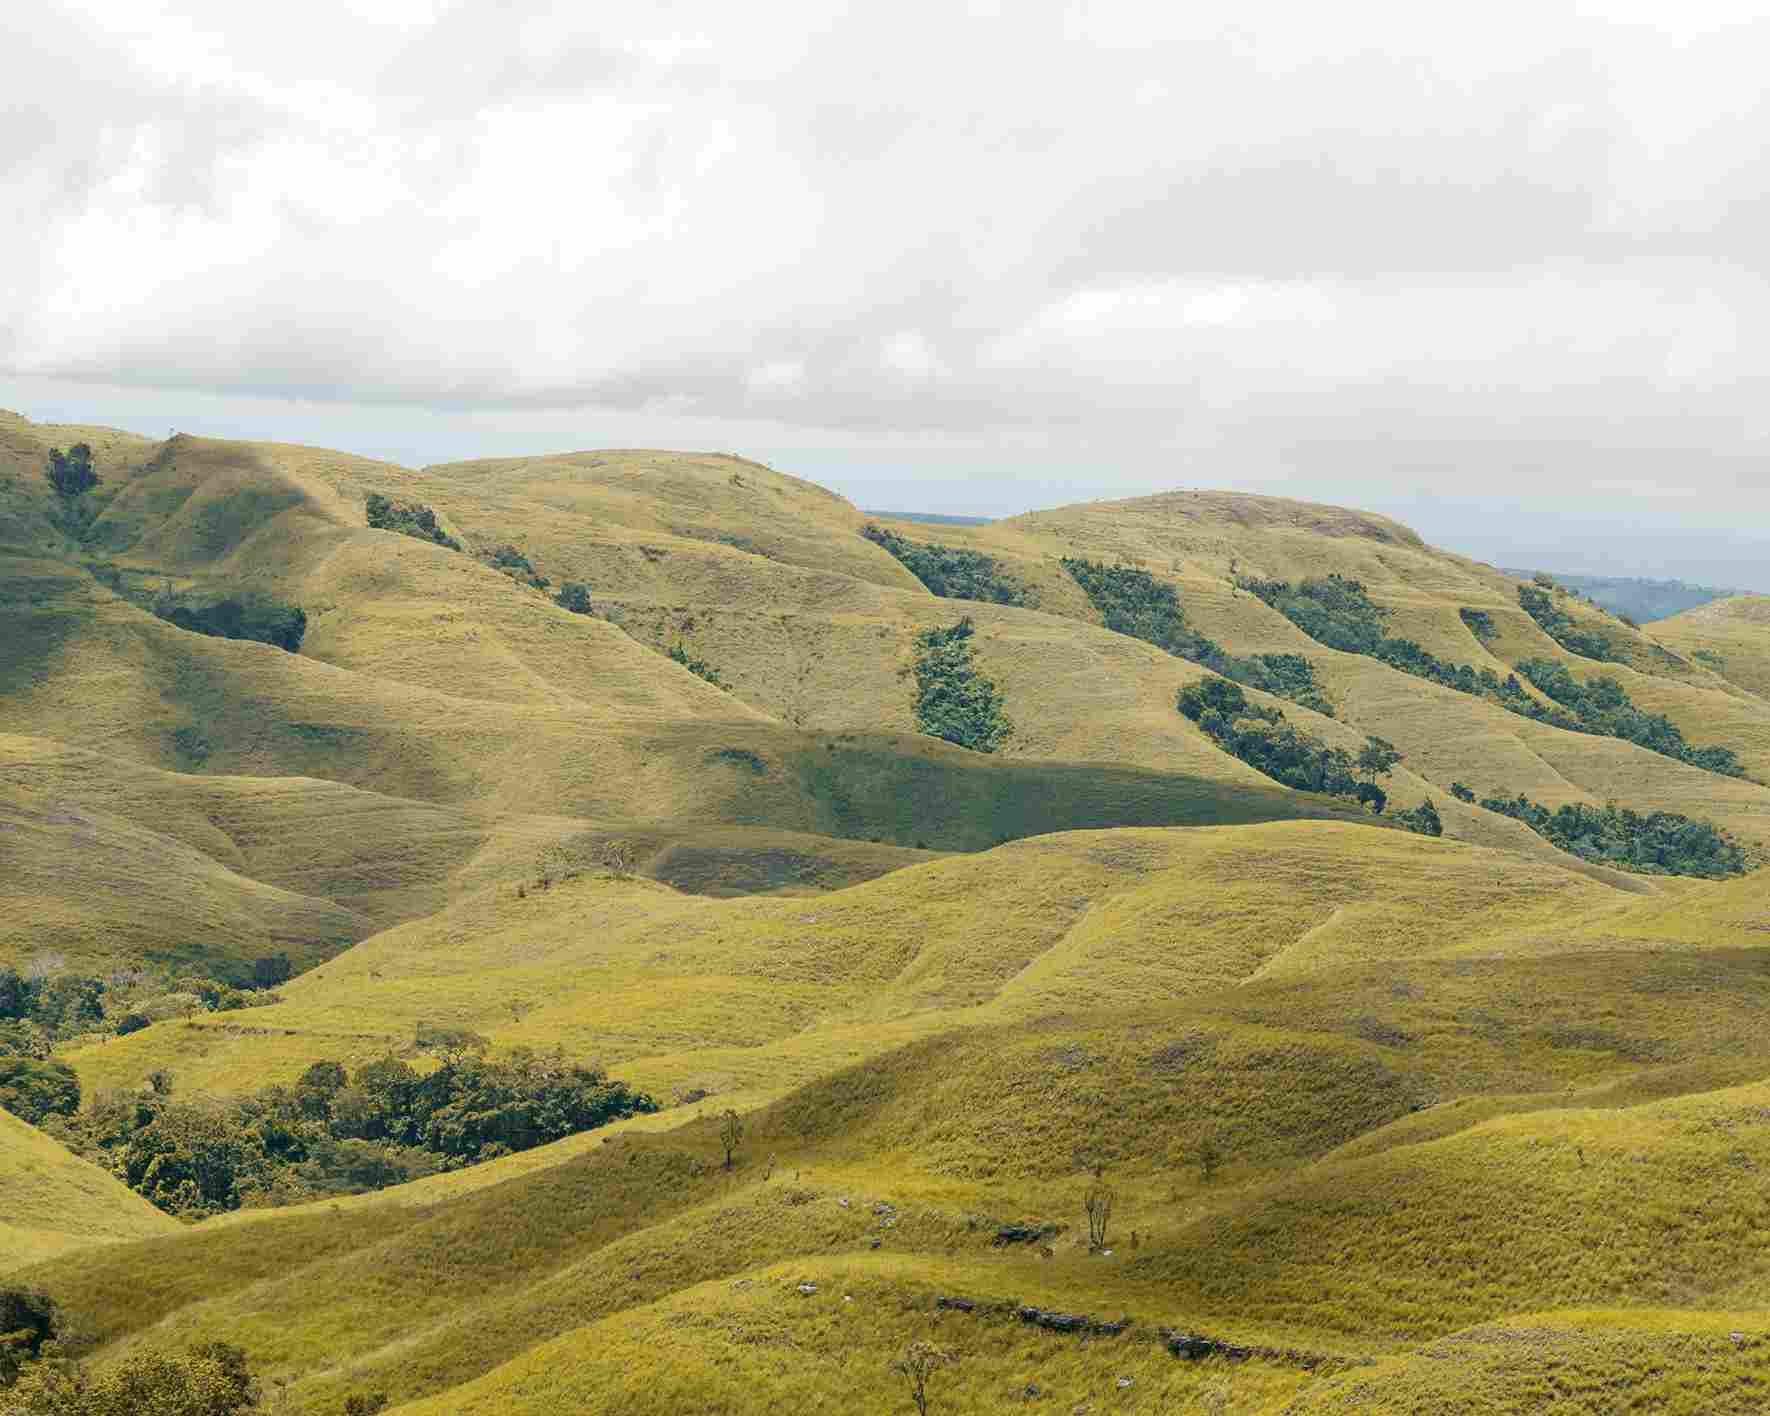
x=919, y=1362
x=1098, y=1203
x=616, y=857
x=731, y=1134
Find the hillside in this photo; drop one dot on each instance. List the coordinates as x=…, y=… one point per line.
x=1729, y=636
x=53, y=1203
x=634, y=758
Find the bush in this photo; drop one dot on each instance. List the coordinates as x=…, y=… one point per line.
x=950, y=573
x=1559, y=625
x=71, y=474
x=1423, y=819
x=412, y=519
x=574, y=595
x=1133, y=602
x=1337, y=612
x=953, y=701
x=251, y=617
x=212, y=1379
x=1461, y=793
x=516, y=565
x=700, y=668
x=1603, y=708
x=1263, y=739
x=1479, y=623
x=1660, y=843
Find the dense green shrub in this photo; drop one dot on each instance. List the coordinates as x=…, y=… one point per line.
x=253, y=617
x=1659, y=843
x=1559, y=625
x=335, y=1133
x=1423, y=819
x=1479, y=623
x=954, y=701
x=1602, y=707
x=211, y=1379
x=409, y=519
x=516, y=565
x=1133, y=602
x=1461, y=792
x=1337, y=612
x=71, y=474
x=948, y=572
x=32, y=1088
x=1263, y=739
x=29, y=1320
x=700, y=668
x=574, y=595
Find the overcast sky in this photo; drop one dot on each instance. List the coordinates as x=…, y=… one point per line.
x=1497, y=269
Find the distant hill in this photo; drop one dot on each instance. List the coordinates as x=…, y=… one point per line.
x=1641, y=599
x=933, y=518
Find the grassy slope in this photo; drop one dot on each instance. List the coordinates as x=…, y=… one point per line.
x=1374, y=1027
x=53, y=1203
x=754, y=995
x=1730, y=636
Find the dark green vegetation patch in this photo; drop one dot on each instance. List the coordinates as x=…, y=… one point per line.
x=1263, y=739
x=1555, y=622
x=950, y=573
x=339, y=1133
x=253, y=617
x=1661, y=843
x=700, y=668
x=954, y=702
x=1133, y=602
x=409, y=519
x=1337, y=612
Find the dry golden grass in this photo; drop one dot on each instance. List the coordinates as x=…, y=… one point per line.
x=1730, y=637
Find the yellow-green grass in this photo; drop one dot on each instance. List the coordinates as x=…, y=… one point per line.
x=1730, y=636
x=1578, y=1363
x=52, y=1203
x=757, y=994
x=814, y=629
x=419, y=1293
x=760, y=1342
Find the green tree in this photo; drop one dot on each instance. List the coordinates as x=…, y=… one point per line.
x=72, y=474
x=32, y=1088
x=731, y=1134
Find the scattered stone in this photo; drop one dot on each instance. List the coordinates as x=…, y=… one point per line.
x=1023, y=1233
x=807, y=1289
x=962, y=1305
x=1125, y=1382
x=1071, y=1322
x=843, y=1203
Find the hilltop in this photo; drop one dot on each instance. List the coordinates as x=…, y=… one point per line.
x=970, y=865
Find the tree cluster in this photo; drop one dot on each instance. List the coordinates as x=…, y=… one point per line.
x=1337, y=612
x=336, y=1132
x=1263, y=739
x=1555, y=622
x=254, y=617
x=409, y=519
x=700, y=668
x=48, y=1004
x=516, y=565
x=1658, y=843
x=954, y=701
x=950, y=573
x=1133, y=602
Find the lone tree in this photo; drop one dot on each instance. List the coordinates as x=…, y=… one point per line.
x=1098, y=1204
x=731, y=1134
x=71, y=473
x=919, y=1362
x=1377, y=758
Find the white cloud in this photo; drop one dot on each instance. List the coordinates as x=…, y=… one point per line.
x=1285, y=238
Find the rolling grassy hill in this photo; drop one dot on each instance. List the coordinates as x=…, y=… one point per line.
x=1392, y=1123
x=52, y=1202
